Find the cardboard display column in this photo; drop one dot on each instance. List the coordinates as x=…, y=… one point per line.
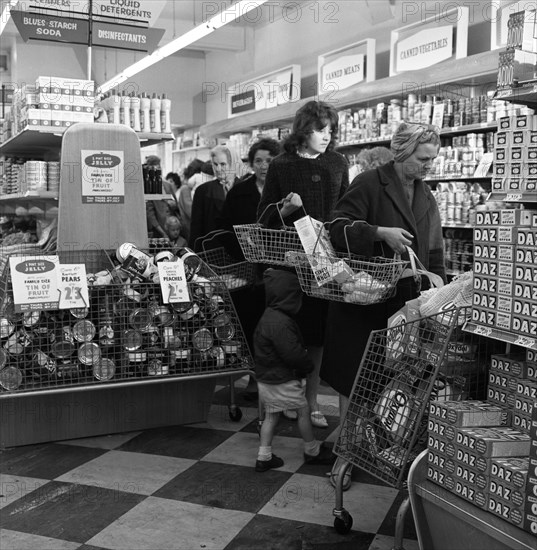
x=101, y=188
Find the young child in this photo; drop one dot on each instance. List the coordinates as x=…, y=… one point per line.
x=281, y=364
x=173, y=230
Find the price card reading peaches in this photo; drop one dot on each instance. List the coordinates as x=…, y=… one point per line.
x=173, y=282
x=35, y=283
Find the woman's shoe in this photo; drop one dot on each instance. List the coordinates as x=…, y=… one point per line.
x=290, y=415
x=318, y=420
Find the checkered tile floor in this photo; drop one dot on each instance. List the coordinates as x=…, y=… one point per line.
x=188, y=487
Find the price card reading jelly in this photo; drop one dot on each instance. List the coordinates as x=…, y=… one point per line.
x=35, y=282
x=72, y=286
x=173, y=282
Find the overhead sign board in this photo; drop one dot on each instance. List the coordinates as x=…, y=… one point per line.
x=146, y=11
x=429, y=41
x=346, y=66
x=142, y=11
x=125, y=37
x=425, y=48
x=51, y=27
x=265, y=91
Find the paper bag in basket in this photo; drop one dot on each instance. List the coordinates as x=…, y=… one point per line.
x=322, y=257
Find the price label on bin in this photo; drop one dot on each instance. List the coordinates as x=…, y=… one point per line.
x=34, y=282
x=72, y=286
x=173, y=282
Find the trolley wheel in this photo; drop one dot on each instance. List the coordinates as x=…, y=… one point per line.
x=235, y=413
x=343, y=523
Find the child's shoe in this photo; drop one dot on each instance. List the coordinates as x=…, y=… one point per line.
x=325, y=456
x=264, y=465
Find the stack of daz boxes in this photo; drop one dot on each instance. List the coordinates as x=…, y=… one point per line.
x=505, y=271
x=475, y=452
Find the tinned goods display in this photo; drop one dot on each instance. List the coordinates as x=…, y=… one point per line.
x=130, y=330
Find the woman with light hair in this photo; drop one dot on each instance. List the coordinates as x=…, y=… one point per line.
x=209, y=198
x=398, y=211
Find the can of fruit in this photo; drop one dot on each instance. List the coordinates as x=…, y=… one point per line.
x=191, y=261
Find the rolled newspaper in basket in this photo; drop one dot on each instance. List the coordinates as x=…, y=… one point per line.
x=268, y=246
x=347, y=277
x=235, y=274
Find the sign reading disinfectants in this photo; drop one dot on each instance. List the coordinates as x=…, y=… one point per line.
x=342, y=72
x=173, y=283
x=125, y=37
x=72, y=286
x=424, y=49
x=103, y=178
x=35, y=282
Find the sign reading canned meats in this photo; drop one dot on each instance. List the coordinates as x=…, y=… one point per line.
x=73, y=286
x=35, y=282
x=173, y=282
x=103, y=178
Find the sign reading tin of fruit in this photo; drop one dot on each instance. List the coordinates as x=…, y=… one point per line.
x=72, y=286
x=35, y=282
x=103, y=178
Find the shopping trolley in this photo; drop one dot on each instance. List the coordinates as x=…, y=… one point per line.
x=263, y=245
x=385, y=424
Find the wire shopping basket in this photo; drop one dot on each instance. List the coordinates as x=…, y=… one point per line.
x=347, y=277
x=235, y=274
x=261, y=244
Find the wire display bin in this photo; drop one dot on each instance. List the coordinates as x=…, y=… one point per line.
x=128, y=333
x=385, y=423
x=235, y=274
x=264, y=245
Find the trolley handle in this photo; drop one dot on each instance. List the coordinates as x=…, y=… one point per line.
x=280, y=202
x=417, y=269
x=210, y=236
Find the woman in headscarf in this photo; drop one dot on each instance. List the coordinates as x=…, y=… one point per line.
x=399, y=210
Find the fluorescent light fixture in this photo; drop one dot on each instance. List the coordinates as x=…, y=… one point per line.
x=219, y=20
x=6, y=14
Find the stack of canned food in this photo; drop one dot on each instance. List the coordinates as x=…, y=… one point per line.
x=127, y=332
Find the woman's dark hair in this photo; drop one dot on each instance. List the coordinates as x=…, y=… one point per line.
x=175, y=177
x=194, y=167
x=264, y=144
x=314, y=115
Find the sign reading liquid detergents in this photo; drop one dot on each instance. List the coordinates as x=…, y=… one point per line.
x=103, y=178
x=35, y=282
x=424, y=49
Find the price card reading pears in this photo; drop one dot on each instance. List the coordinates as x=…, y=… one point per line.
x=35, y=283
x=173, y=282
x=72, y=286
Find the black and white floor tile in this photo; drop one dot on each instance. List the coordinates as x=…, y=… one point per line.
x=189, y=487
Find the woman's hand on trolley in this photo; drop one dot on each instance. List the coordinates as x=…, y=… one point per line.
x=291, y=202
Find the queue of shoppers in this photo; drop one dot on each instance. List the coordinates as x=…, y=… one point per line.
x=298, y=340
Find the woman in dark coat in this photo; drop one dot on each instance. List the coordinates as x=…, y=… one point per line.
x=399, y=210
x=310, y=174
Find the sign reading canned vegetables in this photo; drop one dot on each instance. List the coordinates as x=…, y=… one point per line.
x=103, y=178
x=35, y=282
x=73, y=286
x=173, y=282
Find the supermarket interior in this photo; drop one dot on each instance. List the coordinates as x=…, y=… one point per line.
x=268, y=275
